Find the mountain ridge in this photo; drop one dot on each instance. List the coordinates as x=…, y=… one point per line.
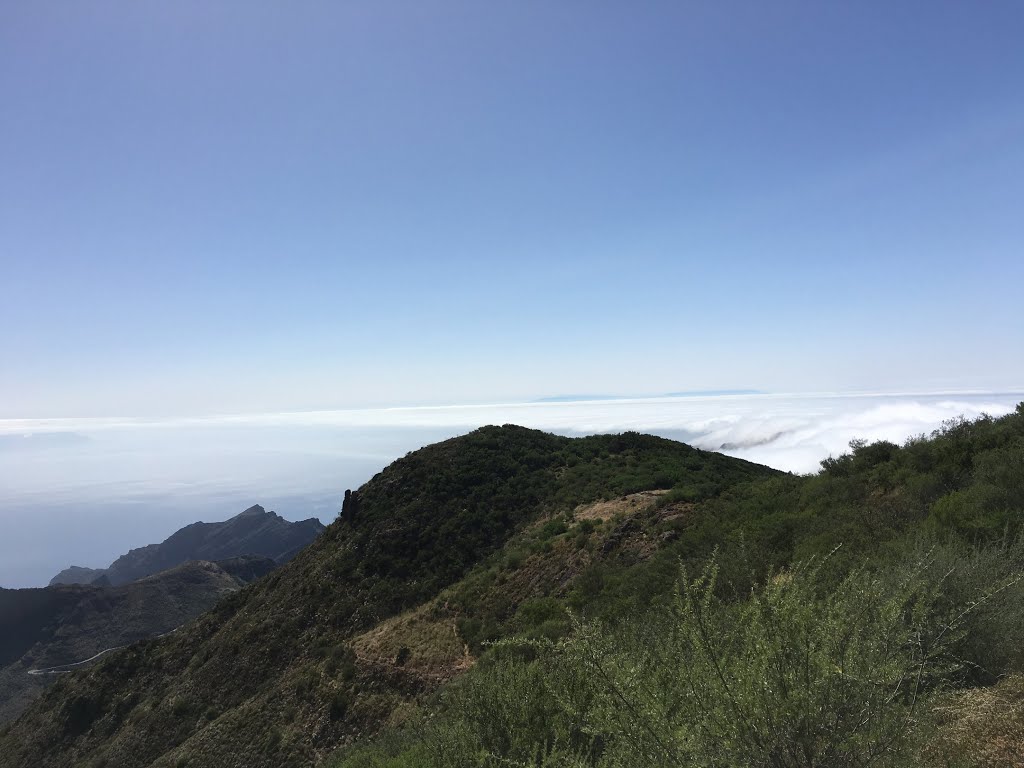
x=254, y=531
x=217, y=692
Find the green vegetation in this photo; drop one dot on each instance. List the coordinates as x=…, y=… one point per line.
x=844, y=619
x=803, y=671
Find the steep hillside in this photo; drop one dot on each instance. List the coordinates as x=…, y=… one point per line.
x=252, y=532
x=48, y=629
x=856, y=617
x=281, y=673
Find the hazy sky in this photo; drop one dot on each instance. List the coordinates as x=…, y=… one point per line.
x=244, y=206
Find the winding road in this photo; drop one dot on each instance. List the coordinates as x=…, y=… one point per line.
x=63, y=669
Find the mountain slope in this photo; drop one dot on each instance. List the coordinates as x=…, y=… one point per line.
x=252, y=532
x=792, y=575
x=57, y=626
x=269, y=677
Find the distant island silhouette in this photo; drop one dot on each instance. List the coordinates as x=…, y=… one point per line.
x=687, y=393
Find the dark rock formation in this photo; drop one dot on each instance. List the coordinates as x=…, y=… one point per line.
x=252, y=532
x=350, y=506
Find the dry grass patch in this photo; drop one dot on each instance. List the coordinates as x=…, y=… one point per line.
x=420, y=643
x=626, y=505
x=982, y=727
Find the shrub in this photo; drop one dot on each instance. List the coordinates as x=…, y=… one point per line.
x=340, y=702
x=811, y=669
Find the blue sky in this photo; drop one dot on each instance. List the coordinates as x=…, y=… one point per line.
x=249, y=206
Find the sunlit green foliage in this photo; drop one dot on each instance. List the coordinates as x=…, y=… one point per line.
x=839, y=608
x=799, y=673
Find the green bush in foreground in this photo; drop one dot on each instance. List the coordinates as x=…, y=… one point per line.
x=808, y=670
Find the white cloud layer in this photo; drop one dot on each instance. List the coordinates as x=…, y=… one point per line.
x=790, y=432
x=85, y=490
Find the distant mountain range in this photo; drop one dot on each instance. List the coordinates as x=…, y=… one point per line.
x=252, y=532
x=689, y=393
x=76, y=574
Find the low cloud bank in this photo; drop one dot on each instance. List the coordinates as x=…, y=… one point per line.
x=790, y=432
x=798, y=443
x=83, y=490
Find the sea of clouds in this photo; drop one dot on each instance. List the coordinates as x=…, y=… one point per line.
x=83, y=491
